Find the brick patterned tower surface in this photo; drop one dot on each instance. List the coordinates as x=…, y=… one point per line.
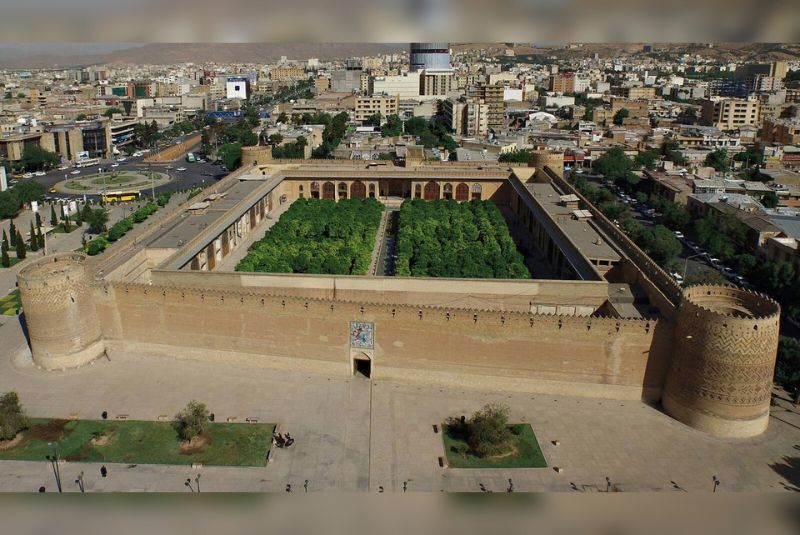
x=720, y=379
x=60, y=314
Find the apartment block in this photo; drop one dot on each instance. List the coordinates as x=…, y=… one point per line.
x=383, y=104
x=730, y=113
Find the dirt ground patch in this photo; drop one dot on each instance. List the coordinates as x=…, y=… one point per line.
x=49, y=432
x=102, y=440
x=195, y=445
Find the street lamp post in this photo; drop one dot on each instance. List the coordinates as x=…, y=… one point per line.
x=686, y=263
x=54, y=461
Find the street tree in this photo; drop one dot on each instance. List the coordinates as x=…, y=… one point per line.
x=12, y=416
x=192, y=421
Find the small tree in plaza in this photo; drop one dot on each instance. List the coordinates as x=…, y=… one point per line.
x=5, y=261
x=5, y=239
x=192, y=421
x=488, y=432
x=34, y=240
x=53, y=217
x=21, y=249
x=12, y=231
x=12, y=416
x=40, y=237
x=96, y=219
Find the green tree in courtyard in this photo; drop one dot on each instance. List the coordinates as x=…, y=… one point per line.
x=769, y=199
x=12, y=416
x=192, y=421
x=111, y=111
x=718, y=159
x=621, y=115
x=12, y=231
x=53, y=216
x=487, y=431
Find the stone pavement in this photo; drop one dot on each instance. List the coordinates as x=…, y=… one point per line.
x=356, y=435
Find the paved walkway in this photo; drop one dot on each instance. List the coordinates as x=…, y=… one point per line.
x=353, y=435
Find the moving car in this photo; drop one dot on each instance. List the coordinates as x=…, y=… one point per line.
x=181, y=169
x=678, y=234
x=40, y=173
x=114, y=165
x=75, y=172
x=27, y=175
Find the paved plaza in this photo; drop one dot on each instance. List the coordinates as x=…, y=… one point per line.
x=353, y=435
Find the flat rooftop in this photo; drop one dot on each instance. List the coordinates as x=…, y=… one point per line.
x=586, y=238
x=213, y=208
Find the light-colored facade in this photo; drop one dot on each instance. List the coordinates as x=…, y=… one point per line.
x=403, y=85
x=384, y=104
x=730, y=113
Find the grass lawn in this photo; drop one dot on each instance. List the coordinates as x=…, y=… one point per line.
x=527, y=454
x=139, y=442
x=9, y=305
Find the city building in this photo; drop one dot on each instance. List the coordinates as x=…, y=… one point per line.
x=730, y=113
x=384, y=104
x=434, y=56
x=406, y=85
x=237, y=87
x=781, y=131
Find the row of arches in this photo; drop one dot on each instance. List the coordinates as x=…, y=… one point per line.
x=462, y=191
x=358, y=190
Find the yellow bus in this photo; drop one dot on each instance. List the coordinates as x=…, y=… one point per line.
x=120, y=196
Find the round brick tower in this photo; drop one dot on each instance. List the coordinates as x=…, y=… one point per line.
x=60, y=314
x=539, y=158
x=720, y=378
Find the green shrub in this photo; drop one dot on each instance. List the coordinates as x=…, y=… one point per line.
x=487, y=431
x=96, y=246
x=192, y=421
x=12, y=417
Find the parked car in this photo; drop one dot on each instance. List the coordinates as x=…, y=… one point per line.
x=678, y=277
x=27, y=175
x=121, y=159
x=714, y=261
x=678, y=234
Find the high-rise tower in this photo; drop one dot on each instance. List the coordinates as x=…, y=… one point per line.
x=426, y=56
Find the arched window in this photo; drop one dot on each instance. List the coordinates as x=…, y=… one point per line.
x=300, y=190
x=358, y=190
x=418, y=191
x=462, y=192
x=328, y=191
x=315, y=190
x=372, y=190
x=448, y=191
x=342, y=190
x=476, y=192
x=431, y=191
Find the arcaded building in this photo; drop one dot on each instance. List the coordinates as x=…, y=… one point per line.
x=599, y=318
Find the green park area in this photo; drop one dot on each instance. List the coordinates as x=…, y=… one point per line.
x=117, y=180
x=445, y=238
x=318, y=236
x=139, y=442
x=10, y=304
x=487, y=440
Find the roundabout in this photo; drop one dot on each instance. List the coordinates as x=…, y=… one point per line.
x=96, y=183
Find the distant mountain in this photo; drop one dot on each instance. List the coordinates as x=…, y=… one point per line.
x=169, y=53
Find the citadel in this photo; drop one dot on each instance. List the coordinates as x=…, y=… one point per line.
x=599, y=318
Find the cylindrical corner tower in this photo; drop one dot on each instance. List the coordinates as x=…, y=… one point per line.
x=539, y=158
x=257, y=154
x=60, y=313
x=720, y=378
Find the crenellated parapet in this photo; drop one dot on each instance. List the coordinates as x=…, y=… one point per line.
x=725, y=345
x=60, y=312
